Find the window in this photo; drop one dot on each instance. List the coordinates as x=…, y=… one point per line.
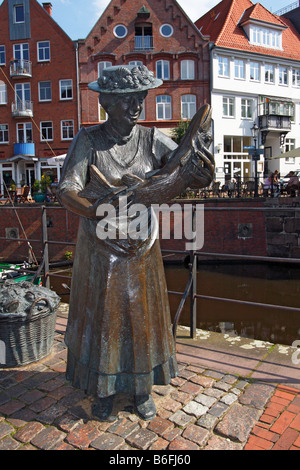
x=43, y=51
x=19, y=14
x=246, y=108
x=2, y=55
x=228, y=106
x=254, y=71
x=103, y=65
x=283, y=76
x=120, y=31
x=4, y=133
x=137, y=63
x=3, y=93
x=188, y=106
x=24, y=132
x=21, y=51
x=66, y=89
x=265, y=37
x=239, y=69
x=166, y=30
x=187, y=68
x=290, y=144
x=47, y=130
x=163, y=107
x=296, y=77
x=23, y=94
x=143, y=37
x=67, y=130
x=163, y=69
x=269, y=73
x=45, y=93
x=223, y=66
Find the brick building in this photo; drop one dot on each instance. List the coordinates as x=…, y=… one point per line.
x=38, y=91
x=157, y=34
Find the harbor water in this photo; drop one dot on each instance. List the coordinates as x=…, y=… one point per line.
x=263, y=283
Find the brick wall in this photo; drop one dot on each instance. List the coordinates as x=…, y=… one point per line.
x=224, y=230
x=61, y=66
x=186, y=43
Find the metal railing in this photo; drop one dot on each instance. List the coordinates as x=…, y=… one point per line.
x=190, y=291
x=20, y=67
x=143, y=43
x=22, y=109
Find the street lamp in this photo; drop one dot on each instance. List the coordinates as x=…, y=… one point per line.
x=255, y=156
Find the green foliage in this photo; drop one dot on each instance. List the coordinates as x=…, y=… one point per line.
x=68, y=255
x=179, y=131
x=41, y=185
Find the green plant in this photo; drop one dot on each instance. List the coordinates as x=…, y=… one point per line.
x=36, y=187
x=41, y=185
x=68, y=255
x=179, y=131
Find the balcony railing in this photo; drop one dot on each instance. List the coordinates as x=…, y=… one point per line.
x=22, y=109
x=20, y=68
x=26, y=149
x=275, y=123
x=143, y=43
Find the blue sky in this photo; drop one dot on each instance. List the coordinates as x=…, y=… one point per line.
x=77, y=17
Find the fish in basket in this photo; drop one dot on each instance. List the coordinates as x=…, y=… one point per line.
x=27, y=322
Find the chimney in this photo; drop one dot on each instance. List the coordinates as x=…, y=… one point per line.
x=48, y=8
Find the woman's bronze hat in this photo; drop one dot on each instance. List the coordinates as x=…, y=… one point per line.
x=125, y=79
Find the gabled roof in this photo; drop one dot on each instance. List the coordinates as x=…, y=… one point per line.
x=223, y=24
x=260, y=13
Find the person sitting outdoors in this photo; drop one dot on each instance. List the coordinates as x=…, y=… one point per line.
x=293, y=184
x=275, y=187
x=267, y=186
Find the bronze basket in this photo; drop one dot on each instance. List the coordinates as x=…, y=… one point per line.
x=28, y=337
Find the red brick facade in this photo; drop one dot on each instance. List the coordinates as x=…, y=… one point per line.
x=60, y=65
x=186, y=43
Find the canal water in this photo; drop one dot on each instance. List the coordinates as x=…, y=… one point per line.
x=274, y=284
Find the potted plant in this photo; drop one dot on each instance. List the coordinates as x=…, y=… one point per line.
x=37, y=194
x=39, y=188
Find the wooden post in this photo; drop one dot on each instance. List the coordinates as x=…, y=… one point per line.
x=193, y=292
x=46, y=282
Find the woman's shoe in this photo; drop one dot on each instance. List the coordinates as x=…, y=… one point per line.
x=145, y=407
x=102, y=407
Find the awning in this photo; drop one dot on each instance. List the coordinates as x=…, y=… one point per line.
x=17, y=158
x=291, y=154
x=57, y=160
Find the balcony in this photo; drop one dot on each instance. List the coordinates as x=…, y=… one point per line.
x=27, y=150
x=143, y=43
x=20, y=68
x=275, y=116
x=22, y=109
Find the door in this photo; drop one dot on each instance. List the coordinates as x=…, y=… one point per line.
x=24, y=132
x=23, y=96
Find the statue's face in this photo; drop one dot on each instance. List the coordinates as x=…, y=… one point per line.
x=126, y=109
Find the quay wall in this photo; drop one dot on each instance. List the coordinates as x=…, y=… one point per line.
x=231, y=226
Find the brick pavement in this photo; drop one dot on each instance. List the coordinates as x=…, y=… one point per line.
x=202, y=408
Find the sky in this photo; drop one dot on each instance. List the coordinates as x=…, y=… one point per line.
x=77, y=17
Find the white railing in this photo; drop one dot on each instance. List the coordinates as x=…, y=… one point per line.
x=20, y=67
x=22, y=109
x=143, y=42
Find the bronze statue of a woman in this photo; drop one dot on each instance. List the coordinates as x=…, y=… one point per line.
x=119, y=333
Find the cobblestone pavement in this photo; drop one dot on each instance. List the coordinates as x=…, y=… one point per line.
x=201, y=409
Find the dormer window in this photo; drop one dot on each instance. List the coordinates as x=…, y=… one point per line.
x=19, y=14
x=265, y=37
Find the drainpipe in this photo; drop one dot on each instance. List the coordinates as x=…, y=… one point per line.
x=78, y=90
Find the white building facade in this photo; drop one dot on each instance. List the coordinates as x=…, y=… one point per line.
x=256, y=80
x=248, y=88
